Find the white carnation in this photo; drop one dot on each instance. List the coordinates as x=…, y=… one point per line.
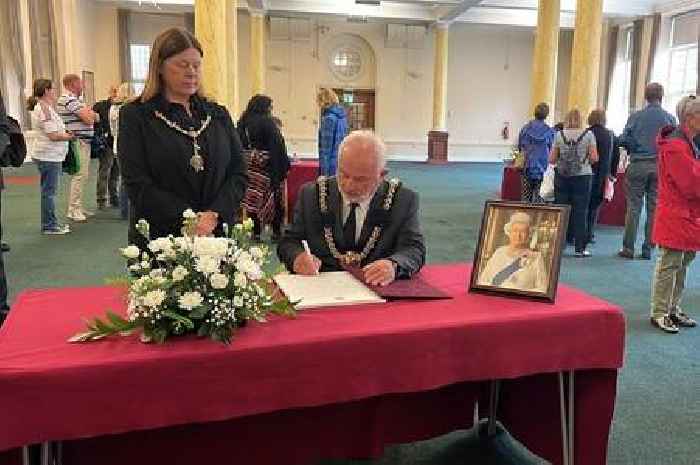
x=238, y=301
x=240, y=280
x=189, y=214
x=131, y=252
x=190, y=300
x=219, y=281
x=154, y=298
x=179, y=273
x=207, y=265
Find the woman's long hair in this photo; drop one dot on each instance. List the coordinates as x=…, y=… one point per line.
x=168, y=43
x=258, y=105
x=39, y=90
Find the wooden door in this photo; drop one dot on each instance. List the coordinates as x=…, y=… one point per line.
x=359, y=105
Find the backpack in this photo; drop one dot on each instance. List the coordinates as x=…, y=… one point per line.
x=570, y=164
x=16, y=151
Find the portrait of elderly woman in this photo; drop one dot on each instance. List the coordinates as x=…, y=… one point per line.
x=519, y=249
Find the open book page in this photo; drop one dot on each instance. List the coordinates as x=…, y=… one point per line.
x=326, y=290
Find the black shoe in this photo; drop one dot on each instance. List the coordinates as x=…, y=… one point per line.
x=645, y=255
x=665, y=324
x=583, y=254
x=682, y=320
x=624, y=253
x=4, y=247
x=114, y=203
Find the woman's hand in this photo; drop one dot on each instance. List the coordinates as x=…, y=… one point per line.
x=206, y=223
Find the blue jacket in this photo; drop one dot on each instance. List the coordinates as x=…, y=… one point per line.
x=331, y=132
x=642, y=128
x=535, y=140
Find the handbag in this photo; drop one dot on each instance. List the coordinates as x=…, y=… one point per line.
x=259, y=197
x=15, y=153
x=547, y=186
x=71, y=164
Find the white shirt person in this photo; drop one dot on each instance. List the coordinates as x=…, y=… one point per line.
x=516, y=266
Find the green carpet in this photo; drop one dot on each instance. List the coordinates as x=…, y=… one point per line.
x=658, y=407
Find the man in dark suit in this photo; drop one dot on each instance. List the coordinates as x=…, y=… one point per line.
x=108, y=171
x=4, y=143
x=356, y=219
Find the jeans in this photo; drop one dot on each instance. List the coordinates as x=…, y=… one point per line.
x=50, y=172
x=669, y=281
x=576, y=192
x=641, y=181
x=327, y=164
x=107, y=179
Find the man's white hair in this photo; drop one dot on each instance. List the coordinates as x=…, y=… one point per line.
x=688, y=105
x=370, y=142
x=517, y=217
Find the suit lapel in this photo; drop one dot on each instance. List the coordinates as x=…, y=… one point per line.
x=373, y=206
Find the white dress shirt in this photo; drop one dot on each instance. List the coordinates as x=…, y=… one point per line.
x=360, y=214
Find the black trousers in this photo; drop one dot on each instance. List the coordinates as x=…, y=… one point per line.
x=594, y=208
x=3, y=278
x=575, y=191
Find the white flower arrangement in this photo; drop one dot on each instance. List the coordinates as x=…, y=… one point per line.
x=204, y=285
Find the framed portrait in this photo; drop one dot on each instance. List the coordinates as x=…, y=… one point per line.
x=519, y=249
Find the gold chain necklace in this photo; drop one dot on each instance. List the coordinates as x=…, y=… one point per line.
x=353, y=258
x=196, y=162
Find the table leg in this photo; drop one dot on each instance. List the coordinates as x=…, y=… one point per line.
x=564, y=425
x=495, y=388
x=571, y=416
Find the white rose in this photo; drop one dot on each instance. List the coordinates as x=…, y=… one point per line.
x=154, y=298
x=189, y=214
x=179, y=273
x=131, y=252
x=210, y=247
x=255, y=273
x=240, y=280
x=190, y=300
x=145, y=264
x=238, y=301
x=207, y=265
x=156, y=273
x=219, y=281
x=183, y=243
x=256, y=253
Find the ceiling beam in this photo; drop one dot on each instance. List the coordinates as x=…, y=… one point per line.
x=459, y=10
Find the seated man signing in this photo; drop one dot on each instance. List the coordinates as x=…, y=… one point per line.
x=356, y=219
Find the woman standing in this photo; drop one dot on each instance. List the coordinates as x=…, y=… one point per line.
x=178, y=149
x=574, y=151
x=48, y=151
x=331, y=131
x=535, y=142
x=258, y=130
x=125, y=92
x=677, y=220
x=606, y=168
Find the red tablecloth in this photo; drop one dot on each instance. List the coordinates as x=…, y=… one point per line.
x=300, y=173
x=611, y=213
x=338, y=371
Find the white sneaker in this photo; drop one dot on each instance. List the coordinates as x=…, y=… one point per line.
x=78, y=217
x=58, y=231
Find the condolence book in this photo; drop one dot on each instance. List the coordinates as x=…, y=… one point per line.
x=326, y=290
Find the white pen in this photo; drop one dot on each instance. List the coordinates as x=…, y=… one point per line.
x=307, y=249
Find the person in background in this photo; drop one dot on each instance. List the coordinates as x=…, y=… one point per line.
x=573, y=153
x=257, y=130
x=125, y=92
x=606, y=168
x=677, y=221
x=639, y=138
x=332, y=130
x=108, y=172
x=535, y=142
x=4, y=143
x=49, y=150
x=79, y=120
x=179, y=150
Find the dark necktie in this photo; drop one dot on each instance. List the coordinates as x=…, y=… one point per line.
x=349, y=229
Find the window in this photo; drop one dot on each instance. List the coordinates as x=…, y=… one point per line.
x=346, y=63
x=619, y=102
x=139, y=55
x=683, y=62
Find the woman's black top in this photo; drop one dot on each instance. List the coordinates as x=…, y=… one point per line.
x=260, y=132
x=155, y=163
x=608, y=158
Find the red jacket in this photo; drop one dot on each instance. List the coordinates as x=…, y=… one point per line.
x=677, y=219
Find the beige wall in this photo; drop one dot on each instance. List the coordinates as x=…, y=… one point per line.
x=106, y=51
